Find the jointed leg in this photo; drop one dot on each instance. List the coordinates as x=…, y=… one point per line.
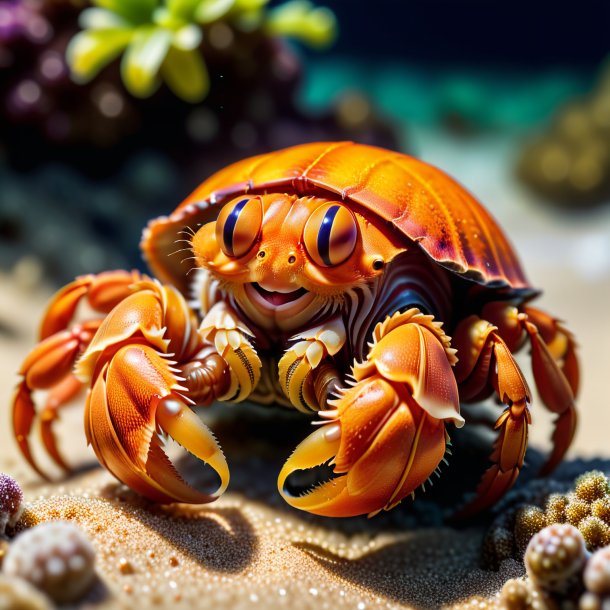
x=485, y=364
x=485, y=349
x=62, y=340
x=310, y=355
x=554, y=364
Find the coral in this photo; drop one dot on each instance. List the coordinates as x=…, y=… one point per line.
x=586, y=508
x=11, y=502
x=530, y=520
x=570, y=163
x=56, y=557
x=516, y=595
x=592, y=486
x=597, y=572
x=555, y=557
x=18, y=594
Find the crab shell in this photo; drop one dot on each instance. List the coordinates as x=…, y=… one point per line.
x=423, y=203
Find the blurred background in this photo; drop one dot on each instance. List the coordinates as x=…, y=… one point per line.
x=111, y=111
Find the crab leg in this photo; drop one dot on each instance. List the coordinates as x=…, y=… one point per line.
x=312, y=348
x=485, y=363
x=49, y=365
x=101, y=292
x=385, y=435
x=554, y=364
x=223, y=327
x=141, y=391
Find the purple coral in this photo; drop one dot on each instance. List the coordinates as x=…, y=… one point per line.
x=11, y=502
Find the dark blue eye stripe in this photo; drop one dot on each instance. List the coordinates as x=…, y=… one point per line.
x=324, y=234
x=227, y=232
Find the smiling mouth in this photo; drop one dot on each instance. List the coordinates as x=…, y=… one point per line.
x=278, y=298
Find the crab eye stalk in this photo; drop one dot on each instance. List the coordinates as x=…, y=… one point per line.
x=330, y=234
x=239, y=225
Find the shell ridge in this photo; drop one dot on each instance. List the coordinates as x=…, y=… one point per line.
x=442, y=207
x=365, y=176
x=326, y=151
x=489, y=240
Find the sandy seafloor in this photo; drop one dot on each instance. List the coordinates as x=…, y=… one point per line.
x=249, y=549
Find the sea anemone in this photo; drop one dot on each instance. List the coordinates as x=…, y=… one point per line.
x=11, y=502
x=56, y=557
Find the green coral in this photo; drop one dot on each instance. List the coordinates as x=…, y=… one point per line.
x=160, y=40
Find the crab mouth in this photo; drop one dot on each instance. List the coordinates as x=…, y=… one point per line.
x=277, y=299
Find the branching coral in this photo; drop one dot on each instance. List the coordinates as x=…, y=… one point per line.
x=160, y=39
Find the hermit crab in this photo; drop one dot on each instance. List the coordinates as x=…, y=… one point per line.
x=362, y=287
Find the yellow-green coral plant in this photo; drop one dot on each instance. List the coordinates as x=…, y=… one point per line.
x=160, y=39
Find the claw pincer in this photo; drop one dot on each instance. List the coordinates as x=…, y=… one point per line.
x=385, y=435
x=134, y=360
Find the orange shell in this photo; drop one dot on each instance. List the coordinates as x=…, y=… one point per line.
x=421, y=201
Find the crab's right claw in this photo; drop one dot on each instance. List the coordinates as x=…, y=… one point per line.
x=386, y=435
x=135, y=401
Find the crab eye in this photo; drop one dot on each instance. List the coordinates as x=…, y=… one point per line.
x=239, y=225
x=330, y=234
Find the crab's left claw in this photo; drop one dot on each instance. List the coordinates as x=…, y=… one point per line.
x=386, y=435
x=135, y=401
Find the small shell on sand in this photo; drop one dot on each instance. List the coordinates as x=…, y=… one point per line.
x=11, y=502
x=18, y=594
x=56, y=557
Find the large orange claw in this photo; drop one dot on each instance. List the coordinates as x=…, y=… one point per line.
x=386, y=435
x=134, y=401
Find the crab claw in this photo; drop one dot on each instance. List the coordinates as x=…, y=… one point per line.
x=135, y=401
x=386, y=435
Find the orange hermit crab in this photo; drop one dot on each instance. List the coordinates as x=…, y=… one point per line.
x=326, y=277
